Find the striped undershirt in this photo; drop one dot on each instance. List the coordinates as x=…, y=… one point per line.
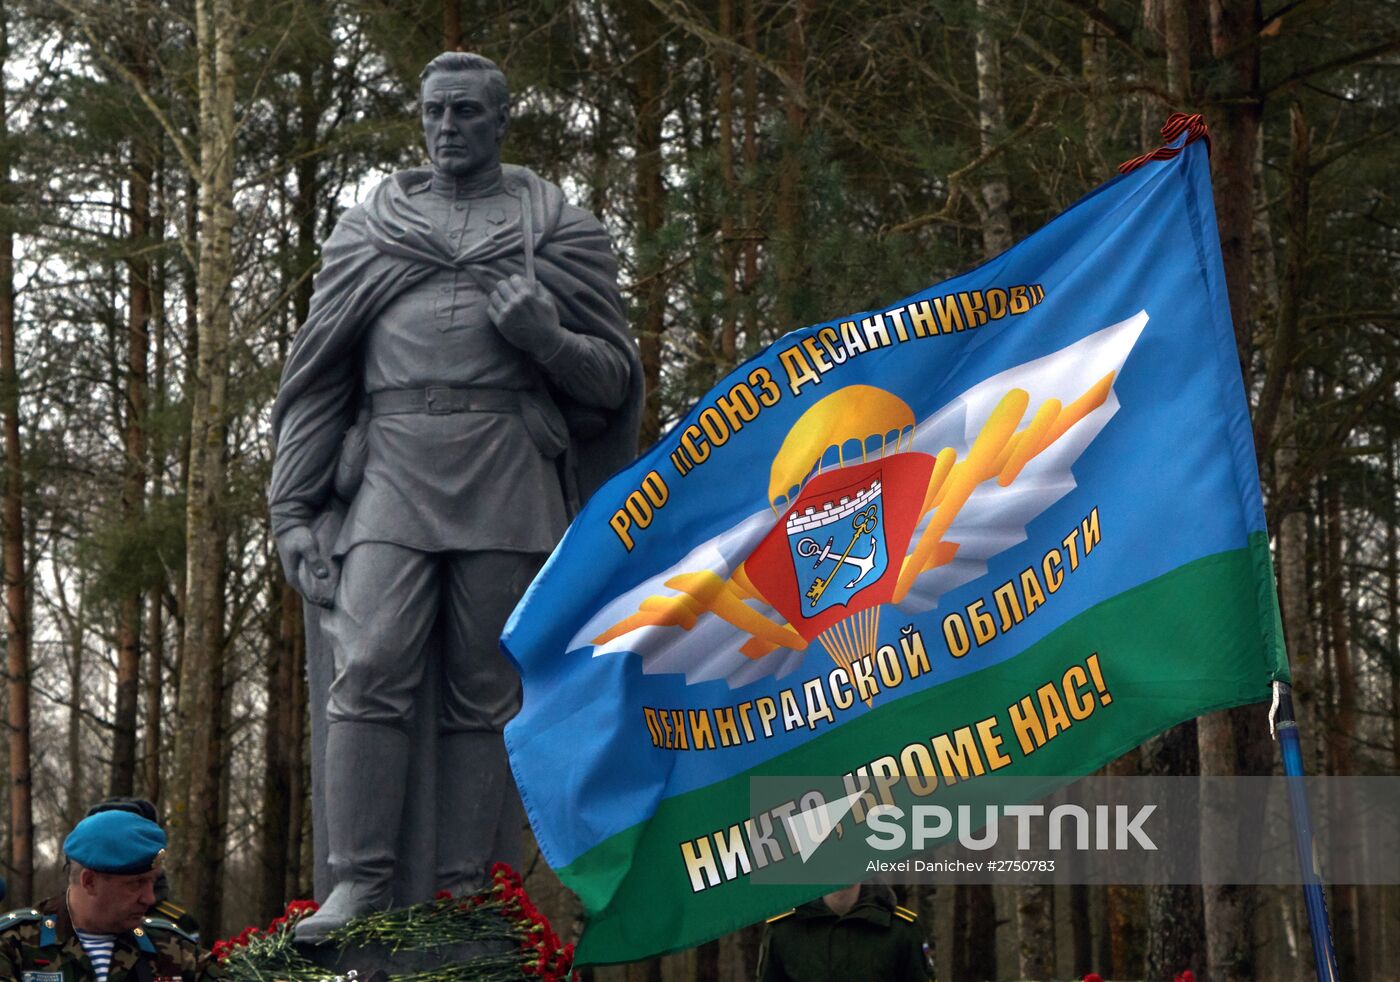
x=99, y=951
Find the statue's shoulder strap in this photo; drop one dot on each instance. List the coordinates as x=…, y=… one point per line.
x=527, y=232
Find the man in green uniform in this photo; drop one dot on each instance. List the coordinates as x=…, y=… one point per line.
x=851, y=935
x=98, y=930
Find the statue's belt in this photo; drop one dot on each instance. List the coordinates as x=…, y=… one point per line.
x=542, y=418
x=443, y=400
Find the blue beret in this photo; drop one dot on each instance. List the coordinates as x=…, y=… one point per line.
x=117, y=842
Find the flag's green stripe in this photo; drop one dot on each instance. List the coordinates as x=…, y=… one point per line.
x=1189, y=642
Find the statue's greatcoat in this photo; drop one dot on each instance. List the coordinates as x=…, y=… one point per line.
x=384, y=246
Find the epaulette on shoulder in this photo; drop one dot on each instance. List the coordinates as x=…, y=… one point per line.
x=169, y=910
x=161, y=924
x=25, y=915
x=906, y=913
x=778, y=917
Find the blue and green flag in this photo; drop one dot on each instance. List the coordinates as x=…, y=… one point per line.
x=1017, y=512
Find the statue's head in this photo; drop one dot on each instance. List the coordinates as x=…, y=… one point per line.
x=466, y=108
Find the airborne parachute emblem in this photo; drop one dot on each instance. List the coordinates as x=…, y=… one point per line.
x=851, y=490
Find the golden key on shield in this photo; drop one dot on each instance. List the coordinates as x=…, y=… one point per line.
x=863, y=524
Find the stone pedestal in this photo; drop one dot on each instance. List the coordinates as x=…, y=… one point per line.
x=370, y=960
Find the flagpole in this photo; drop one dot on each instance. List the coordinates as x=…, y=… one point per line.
x=1285, y=729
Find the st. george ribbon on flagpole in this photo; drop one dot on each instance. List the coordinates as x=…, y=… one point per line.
x=1016, y=514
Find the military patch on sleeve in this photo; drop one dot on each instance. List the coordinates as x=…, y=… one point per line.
x=42, y=977
x=906, y=913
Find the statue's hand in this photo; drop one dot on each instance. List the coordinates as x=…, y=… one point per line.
x=525, y=315
x=313, y=575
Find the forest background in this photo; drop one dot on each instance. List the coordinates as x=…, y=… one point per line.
x=168, y=169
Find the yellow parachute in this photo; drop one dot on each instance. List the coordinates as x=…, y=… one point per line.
x=870, y=423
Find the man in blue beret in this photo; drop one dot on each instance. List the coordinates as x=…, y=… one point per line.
x=98, y=930
x=164, y=907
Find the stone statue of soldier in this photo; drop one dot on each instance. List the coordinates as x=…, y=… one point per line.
x=464, y=379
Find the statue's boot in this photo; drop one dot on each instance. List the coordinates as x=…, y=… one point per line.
x=366, y=773
x=475, y=821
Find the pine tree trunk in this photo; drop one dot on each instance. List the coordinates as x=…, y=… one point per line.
x=1103, y=938
x=277, y=746
x=991, y=119
x=1389, y=947
x=1343, y=729
x=1035, y=906
x=1175, y=919
x=974, y=932
x=1234, y=34
x=1124, y=904
x=1035, y=922
x=1385, y=901
x=1225, y=739
x=751, y=206
x=12, y=539
x=650, y=198
x=1274, y=434
x=1093, y=57
x=198, y=846
x=1176, y=39
x=1392, y=600
x=279, y=840
x=648, y=970
x=210, y=896
x=154, y=711
x=298, y=774
x=729, y=246
x=73, y=625
x=1080, y=931
x=452, y=25
x=1228, y=933
x=190, y=284
x=123, y=780
x=787, y=209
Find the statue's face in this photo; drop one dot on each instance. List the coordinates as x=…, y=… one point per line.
x=462, y=123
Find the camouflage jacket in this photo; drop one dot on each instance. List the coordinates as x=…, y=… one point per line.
x=38, y=945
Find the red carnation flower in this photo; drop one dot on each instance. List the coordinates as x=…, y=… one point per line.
x=502, y=872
